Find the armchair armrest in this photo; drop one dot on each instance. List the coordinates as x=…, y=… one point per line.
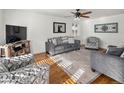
x=77, y=43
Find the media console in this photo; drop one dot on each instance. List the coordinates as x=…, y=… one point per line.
x=15, y=49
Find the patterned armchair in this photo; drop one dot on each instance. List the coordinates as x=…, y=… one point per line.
x=23, y=70
x=92, y=43
x=31, y=74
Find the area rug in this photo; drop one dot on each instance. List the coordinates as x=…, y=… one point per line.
x=77, y=65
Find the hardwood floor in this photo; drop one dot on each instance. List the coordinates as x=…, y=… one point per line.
x=58, y=76
x=103, y=79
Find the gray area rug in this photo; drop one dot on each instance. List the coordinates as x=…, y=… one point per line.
x=77, y=65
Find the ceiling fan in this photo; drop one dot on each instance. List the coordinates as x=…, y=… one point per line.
x=79, y=14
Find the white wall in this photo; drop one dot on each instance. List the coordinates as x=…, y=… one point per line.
x=1, y=28
x=106, y=38
x=39, y=27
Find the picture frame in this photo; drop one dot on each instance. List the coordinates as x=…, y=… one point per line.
x=106, y=28
x=59, y=27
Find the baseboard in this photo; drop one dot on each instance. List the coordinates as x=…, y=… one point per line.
x=100, y=49
x=40, y=53
x=103, y=50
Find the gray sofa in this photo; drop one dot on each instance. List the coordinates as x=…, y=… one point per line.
x=63, y=44
x=92, y=43
x=109, y=65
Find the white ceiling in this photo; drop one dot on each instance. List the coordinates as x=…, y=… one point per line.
x=96, y=13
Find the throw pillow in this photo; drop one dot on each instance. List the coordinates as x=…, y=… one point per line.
x=122, y=55
x=70, y=40
x=54, y=41
x=115, y=51
x=110, y=47
x=65, y=39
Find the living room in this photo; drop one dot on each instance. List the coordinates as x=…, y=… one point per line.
x=69, y=63
x=26, y=67
x=39, y=26
x=35, y=20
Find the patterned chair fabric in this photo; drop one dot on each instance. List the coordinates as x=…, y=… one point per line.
x=31, y=74
x=14, y=63
x=92, y=43
x=23, y=70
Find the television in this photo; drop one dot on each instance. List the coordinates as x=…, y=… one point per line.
x=15, y=33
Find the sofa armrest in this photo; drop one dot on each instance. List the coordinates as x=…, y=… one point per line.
x=50, y=47
x=77, y=44
x=102, y=61
x=109, y=65
x=46, y=46
x=105, y=57
x=99, y=59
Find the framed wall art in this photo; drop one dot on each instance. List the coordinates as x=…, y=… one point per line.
x=59, y=27
x=106, y=28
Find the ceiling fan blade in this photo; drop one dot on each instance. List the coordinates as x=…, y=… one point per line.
x=89, y=12
x=85, y=16
x=73, y=13
x=68, y=16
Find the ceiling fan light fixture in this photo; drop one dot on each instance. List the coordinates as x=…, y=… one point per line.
x=77, y=19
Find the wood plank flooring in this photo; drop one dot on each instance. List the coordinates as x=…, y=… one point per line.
x=103, y=79
x=58, y=76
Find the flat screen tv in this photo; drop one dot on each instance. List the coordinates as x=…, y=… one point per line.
x=15, y=33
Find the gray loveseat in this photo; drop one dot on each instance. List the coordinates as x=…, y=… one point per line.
x=63, y=44
x=109, y=65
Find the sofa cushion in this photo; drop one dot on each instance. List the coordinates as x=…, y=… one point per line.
x=25, y=60
x=5, y=78
x=14, y=63
x=59, y=47
x=115, y=51
x=70, y=40
x=59, y=40
x=64, y=39
x=26, y=75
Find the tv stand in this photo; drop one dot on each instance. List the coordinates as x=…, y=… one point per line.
x=15, y=49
